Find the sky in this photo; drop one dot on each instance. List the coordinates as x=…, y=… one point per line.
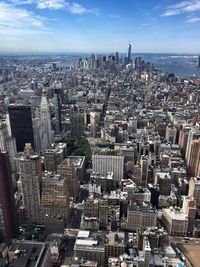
x=155, y=26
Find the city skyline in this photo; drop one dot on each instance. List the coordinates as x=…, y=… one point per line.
x=85, y=26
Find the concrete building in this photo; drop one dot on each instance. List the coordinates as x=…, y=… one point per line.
x=46, y=118
x=190, y=209
x=8, y=224
x=40, y=135
x=68, y=172
x=194, y=134
x=103, y=213
x=79, y=165
x=183, y=138
x=97, y=208
x=144, y=163
x=103, y=164
x=7, y=143
x=175, y=221
x=54, y=202
x=194, y=190
x=76, y=124
x=54, y=156
x=115, y=245
x=163, y=179
x=93, y=123
x=106, y=182
x=194, y=160
x=91, y=207
x=171, y=133
x=29, y=254
x=29, y=170
x=87, y=246
x=140, y=217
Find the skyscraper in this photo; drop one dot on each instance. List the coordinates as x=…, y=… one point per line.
x=129, y=53
x=45, y=117
x=7, y=142
x=29, y=169
x=194, y=161
x=21, y=125
x=198, y=62
x=57, y=112
x=194, y=134
x=7, y=205
x=54, y=202
x=76, y=124
x=67, y=171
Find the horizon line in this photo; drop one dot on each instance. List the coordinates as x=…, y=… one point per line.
x=93, y=52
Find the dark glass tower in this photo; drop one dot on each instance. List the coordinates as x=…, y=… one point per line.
x=8, y=223
x=129, y=53
x=198, y=62
x=57, y=111
x=21, y=125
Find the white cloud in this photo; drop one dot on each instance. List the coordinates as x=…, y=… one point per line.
x=22, y=2
x=182, y=7
x=51, y=4
x=75, y=8
x=193, y=19
x=71, y=7
x=10, y=15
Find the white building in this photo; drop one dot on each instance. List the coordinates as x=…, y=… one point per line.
x=105, y=163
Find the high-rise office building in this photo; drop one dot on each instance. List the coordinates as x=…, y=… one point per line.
x=93, y=123
x=138, y=64
x=54, y=156
x=57, y=112
x=171, y=133
x=7, y=142
x=183, y=138
x=68, y=172
x=144, y=170
x=29, y=170
x=198, y=62
x=54, y=202
x=189, y=208
x=41, y=141
x=46, y=118
x=194, y=161
x=21, y=125
x=8, y=223
x=76, y=124
x=194, y=190
x=194, y=134
x=129, y=53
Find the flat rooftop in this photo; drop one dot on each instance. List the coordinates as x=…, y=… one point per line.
x=27, y=254
x=77, y=161
x=176, y=214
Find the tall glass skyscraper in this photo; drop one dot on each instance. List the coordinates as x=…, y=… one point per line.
x=21, y=125
x=129, y=53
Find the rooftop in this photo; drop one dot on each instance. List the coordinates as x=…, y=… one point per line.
x=27, y=254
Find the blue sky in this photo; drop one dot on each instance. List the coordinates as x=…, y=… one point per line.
x=100, y=25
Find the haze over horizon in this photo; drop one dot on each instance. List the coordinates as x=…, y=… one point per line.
x=95, y=26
